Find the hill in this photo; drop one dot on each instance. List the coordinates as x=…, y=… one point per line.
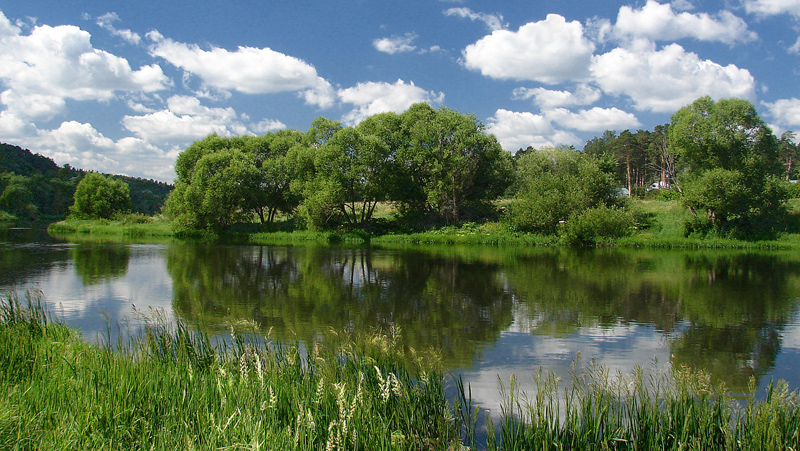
x=34, y=187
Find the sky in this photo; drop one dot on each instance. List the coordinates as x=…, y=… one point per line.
x=124, y=87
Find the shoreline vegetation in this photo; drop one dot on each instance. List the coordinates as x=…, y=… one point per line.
x=170, y=387
x=662, y=228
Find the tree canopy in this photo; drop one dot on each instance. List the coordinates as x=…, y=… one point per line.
x=99, y=197
x=733, y=166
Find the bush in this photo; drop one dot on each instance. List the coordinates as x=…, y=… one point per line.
x=596, y=225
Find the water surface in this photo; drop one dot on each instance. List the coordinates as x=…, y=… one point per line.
x=487, y=311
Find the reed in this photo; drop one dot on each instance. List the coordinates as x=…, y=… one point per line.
x=647, y=410
x=173, y=388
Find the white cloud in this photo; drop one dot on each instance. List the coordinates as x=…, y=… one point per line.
x=52, y=64
x=396, y=44
x=772, y=7
x=322, y=95
x=785, y=111
x=796, y=47
x=379, y=97
x=518, y=130
x=493, y=21
x=106, y=21
x=665, y=80
x=548, y=99
x=549, y=51
x=595, y=119
x=248, y=70
x=268, y=125
x=682, y=5
x=80, y=145
x=184, y=121
x=659, y=22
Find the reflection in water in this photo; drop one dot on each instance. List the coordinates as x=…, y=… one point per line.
x=446, y=304
x=95, y=264
x=486, y=310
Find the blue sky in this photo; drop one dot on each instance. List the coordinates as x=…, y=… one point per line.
x=123, y=87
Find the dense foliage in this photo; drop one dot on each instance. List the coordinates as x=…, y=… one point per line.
x=34, y=187
x=557, y=186
x=438, y=167
x=99, y=197
x=435, y=164
x=733, y=165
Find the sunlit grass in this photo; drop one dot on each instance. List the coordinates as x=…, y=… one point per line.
x=173, y=388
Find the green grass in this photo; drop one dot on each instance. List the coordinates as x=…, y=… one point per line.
x=647, y=410
x=129, y=226
x=173, y=388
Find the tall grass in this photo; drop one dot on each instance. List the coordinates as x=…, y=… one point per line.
x=173, y=388
x=652, y=410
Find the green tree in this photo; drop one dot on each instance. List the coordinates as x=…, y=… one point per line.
x=556, y=186
x=352, y=174
x=218, y=194
x=99, y=197
x=449, y=163
x=733, y=167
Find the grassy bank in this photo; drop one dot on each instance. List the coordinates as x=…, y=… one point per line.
x=662, y=227
x=176, y=389
x=173, y=388
x=129, y=226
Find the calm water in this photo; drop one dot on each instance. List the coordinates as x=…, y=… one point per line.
x=488, y=311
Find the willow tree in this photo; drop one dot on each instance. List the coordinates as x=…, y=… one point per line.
x=733, y=167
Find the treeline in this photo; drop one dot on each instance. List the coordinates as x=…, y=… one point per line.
x=34, y=187
x=440, y=167
x=435, y=165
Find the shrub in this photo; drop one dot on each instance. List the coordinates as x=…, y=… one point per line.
x=596, y=225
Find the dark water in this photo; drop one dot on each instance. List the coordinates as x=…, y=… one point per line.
x=487, y=311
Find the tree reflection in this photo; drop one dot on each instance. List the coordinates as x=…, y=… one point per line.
x=438, y=302
x=722, y=311
x=100, y=263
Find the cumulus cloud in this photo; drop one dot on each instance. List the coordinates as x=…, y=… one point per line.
x=549, y=99
x=595, y=119
x=665, y=80
x=106, y=21
x=493, y=21
x=81, y=145
x=379, y=97
x=518, y=130
x=548, y=51
x=661, y=23
x=52, y=64
x=248, y=70
x=184, y=121
x=772, y=7
x=785, y=111
x=396, y=44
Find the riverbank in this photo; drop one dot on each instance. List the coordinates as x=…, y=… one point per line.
x=173, y=388
x=661, y=227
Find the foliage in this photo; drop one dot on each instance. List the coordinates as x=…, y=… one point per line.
x=99, y=197
x=557, y=185
x=449, y=163
x=595, y=225
x=40, y=189
x=733, y=164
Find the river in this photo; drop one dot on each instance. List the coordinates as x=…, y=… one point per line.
x=486, y=312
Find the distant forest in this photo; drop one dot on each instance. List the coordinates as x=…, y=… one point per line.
x=34, y=187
